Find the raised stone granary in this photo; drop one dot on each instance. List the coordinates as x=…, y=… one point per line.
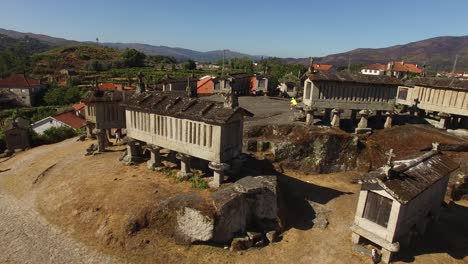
x=348, y=92
x=400, y=199
x=447, y=97
x=192, y=127
x=17, y=134
x=104, y=112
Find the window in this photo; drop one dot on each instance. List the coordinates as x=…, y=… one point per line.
x=377, y=209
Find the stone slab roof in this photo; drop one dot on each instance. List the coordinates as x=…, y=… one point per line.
x=353, y=78
x=103, y=96
x=169, y=104
x=408, y=178
x=447, y=83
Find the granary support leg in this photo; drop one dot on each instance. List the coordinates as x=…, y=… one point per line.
x=184, y=172
x=388, y=119
x=133, y=152
x=101, y=138
x=455, y=122
x=355, y=238
x=155, y=158
x=362, y=126
x=386, y=255
x=89, y=131
x=218, y=173
x=444, y=118
x=336, y=117
x=309, y=116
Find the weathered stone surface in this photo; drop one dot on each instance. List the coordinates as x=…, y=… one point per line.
x=248, y=204
x=241, y=243
x=272, y=236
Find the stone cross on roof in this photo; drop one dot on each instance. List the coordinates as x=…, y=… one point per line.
x=390, y=155
x=435, y=146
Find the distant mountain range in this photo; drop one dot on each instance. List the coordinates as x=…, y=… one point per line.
x=437, y=53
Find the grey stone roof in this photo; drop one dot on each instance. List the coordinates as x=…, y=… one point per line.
x=408, y=178
x=103, y=96
x=448, y=83
x=353, y=78
x=169, y=104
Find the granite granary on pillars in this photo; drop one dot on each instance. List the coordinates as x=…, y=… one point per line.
x=446, y=97
x=210, y=131
x=346, y=94
x=400, y=199
x=103, y=112
x=17, y=135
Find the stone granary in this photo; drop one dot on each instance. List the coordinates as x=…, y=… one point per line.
x=104, y=112
x=171, y=84
x=17, y=134
x=446, y=97
x=400, y=199
x=352, y=93
x=192, y=127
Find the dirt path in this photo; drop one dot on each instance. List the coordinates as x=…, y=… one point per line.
x=27, y=238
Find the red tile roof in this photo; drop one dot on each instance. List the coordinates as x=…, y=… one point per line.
x=112, y=87
x=19, y=81
x=376, y=66
x=71, y=119
x=322, y=67
x=79, y=106
x=400, y=66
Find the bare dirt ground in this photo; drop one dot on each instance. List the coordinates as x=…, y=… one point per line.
x=101, y=203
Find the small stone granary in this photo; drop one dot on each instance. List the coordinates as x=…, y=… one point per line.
x=400, y=199
x=448, y=97
x=352, y=93
x=17, y=134
x=103, y=112
x=192, y=127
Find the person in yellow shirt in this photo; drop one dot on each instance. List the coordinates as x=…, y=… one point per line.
x=293, y=103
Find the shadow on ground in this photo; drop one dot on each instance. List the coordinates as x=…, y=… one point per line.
x=448, y=235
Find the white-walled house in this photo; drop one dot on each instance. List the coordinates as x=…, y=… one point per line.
x=66, y=119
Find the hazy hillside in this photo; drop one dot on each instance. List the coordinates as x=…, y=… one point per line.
x=437, y=53
x=180, y=53
x=43, y=38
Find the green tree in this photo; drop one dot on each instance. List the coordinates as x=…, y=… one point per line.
x=133, y=58
x=190, y=65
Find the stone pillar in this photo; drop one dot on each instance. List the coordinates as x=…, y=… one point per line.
x=444, y=118
x=89, y=131
x=184, y=172
x=355, y=238
x=336, y=117
x=386, y=255
x=309, y=116
x=218, y=173
x=133, y=152
x=388, y=120
x=101, y=139
x=155, y=158
x=362, y=126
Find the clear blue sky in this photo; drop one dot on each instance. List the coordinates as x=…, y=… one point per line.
x=276, y=28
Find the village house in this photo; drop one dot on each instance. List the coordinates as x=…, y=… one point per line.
x=208, y=85
x=65, y=119
x=259, y=85
x=462, y=75
x=24, y=88
x=400, y=199
x=194, y=128
x=353, y=93
x=170, y=84
x=80, y=109
x=239, y=83
x=446, y=97
x=114, y=87
x=374, y=69
x=17, y=134
x=322, y=67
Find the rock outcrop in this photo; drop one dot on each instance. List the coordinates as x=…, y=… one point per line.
x=248, y=204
